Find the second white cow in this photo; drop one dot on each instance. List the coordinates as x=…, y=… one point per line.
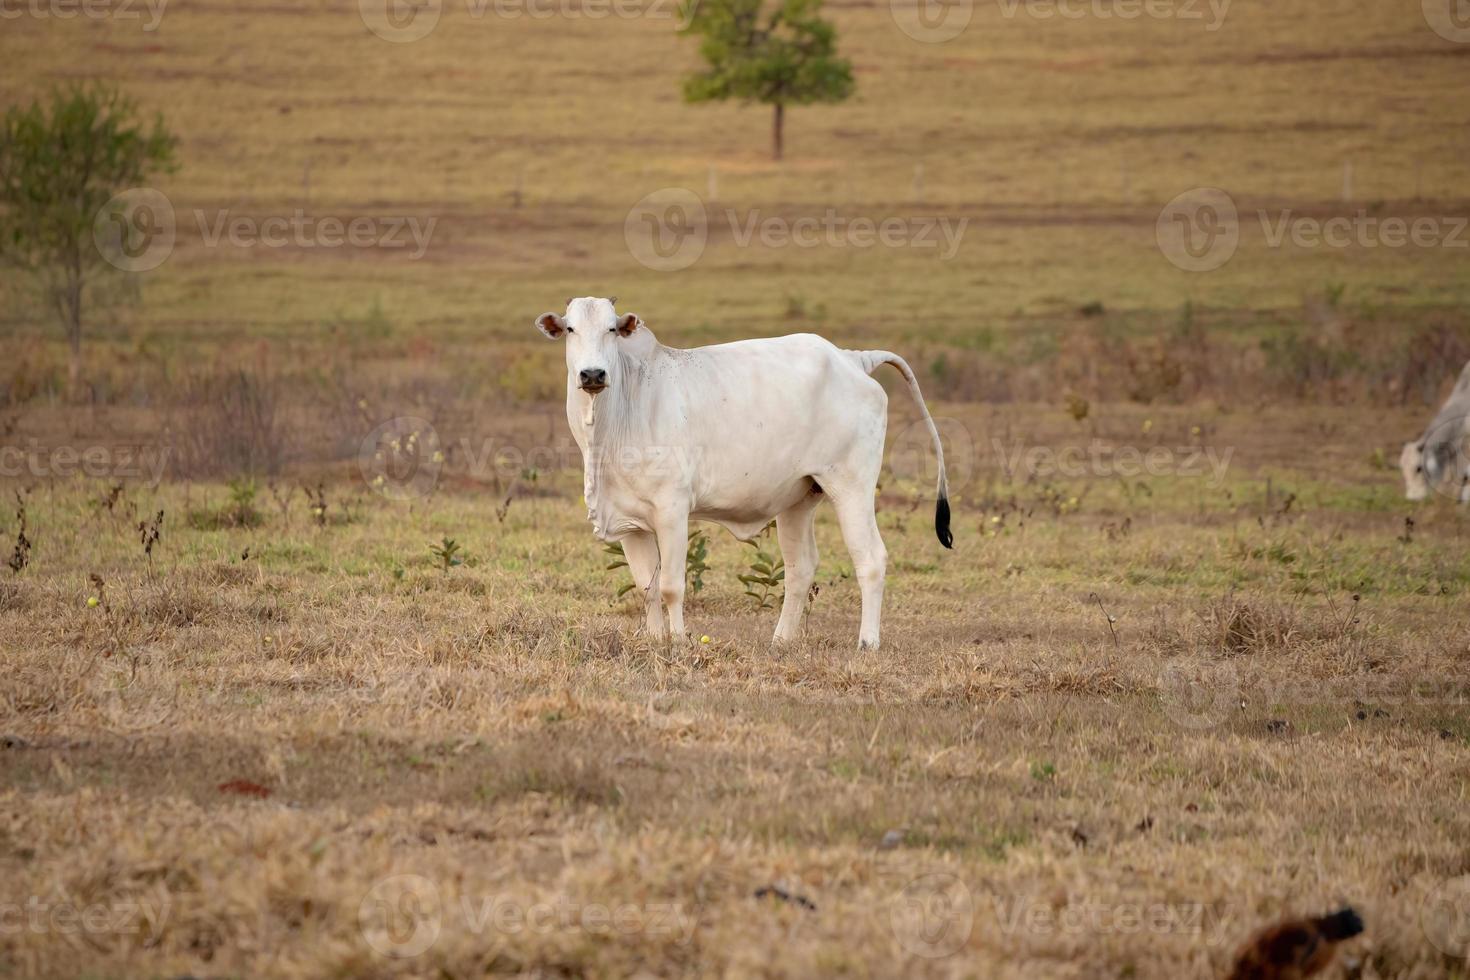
x=1440, y=458
x=735, y=434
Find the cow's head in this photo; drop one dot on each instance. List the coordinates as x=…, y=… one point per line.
x=1412, y=462
x=598, y=341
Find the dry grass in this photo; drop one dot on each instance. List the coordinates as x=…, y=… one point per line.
x=234, y=756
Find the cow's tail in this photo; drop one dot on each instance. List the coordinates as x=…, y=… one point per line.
x=869, y=361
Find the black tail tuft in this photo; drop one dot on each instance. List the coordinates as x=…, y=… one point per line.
x=941, y=522
x=1340, y=925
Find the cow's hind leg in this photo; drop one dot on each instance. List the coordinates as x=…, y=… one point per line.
x=673, y=545
x=641, y=550
x=796, y=530
x=854, y=503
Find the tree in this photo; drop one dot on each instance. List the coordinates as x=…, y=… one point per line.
x=60, y=165
x=786, y=56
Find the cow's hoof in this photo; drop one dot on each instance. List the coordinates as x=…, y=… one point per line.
x=867, y=644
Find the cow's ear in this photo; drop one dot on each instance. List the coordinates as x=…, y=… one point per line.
x=627, y=323
x=551, y=324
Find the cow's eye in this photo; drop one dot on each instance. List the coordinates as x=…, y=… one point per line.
x=1419, y=468
x=570, y=330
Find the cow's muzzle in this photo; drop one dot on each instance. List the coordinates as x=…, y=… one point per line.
x=592, y=380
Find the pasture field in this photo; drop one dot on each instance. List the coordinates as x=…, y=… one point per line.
x=528, y=140
x=1125, y=721
x=1132, y=717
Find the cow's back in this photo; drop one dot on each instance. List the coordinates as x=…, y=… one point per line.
x=793, y=381
x=758, y=417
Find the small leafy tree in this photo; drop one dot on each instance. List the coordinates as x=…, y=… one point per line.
x=60, y=165
x=447, y=553
x=783, y=56
x=767, y=573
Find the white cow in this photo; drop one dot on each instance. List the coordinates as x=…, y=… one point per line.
x=1438, y=457
x=735, y=434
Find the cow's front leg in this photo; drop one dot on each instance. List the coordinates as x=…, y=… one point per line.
x=641, y=550
x=673, y=543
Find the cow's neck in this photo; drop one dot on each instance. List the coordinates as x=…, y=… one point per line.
x=617, y=417
x=614, y=419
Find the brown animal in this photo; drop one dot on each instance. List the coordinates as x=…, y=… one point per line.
x=1296, y=948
